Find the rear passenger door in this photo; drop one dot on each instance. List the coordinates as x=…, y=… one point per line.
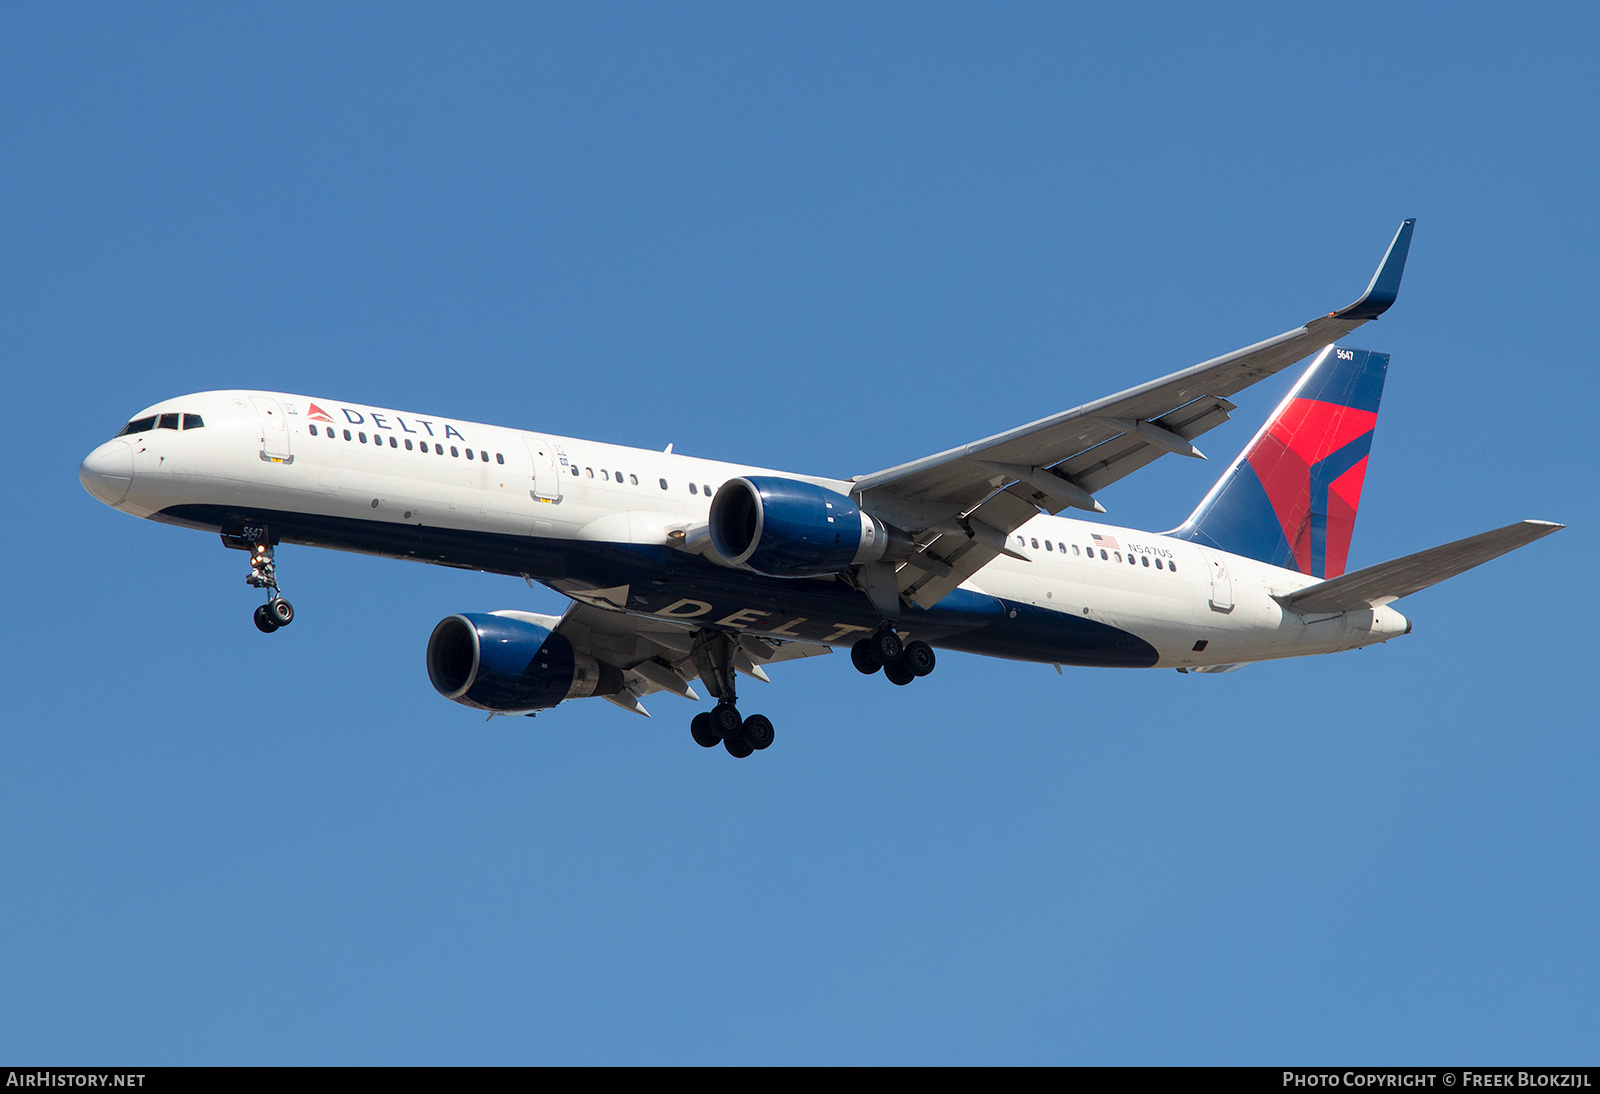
x=1221, y=581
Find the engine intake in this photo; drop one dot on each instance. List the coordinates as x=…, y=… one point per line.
x=789, y=528
x=504, y=662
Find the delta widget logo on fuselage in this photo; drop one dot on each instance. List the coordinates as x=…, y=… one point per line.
x=378, y=419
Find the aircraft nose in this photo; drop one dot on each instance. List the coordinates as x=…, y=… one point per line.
x=108, y=471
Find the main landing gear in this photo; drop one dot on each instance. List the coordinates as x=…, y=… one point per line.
x=746, y=735
x=714, y=653
x=900, y=662
x=276, y=612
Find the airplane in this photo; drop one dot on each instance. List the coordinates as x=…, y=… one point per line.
x=677, y=567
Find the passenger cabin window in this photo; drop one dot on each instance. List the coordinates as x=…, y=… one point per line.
x=392, y=442
x=1075, y=550
x=482, y=455
x=408, y=444
x=1171, y=565
x=363, y=437
x=313, y=430
x=574, y=470
x=707, y=489
x=347, y=434
x=633, y=480
x=193, y=421
x=499, y=457
x=1048, y=546
x=455, y=452
x=663, y=484
x=139, y=425
x=469, y=453
x=1145, y=559
x=589, y=471
x=693, y=489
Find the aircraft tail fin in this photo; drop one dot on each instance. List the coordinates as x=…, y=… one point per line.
x=1291, y=497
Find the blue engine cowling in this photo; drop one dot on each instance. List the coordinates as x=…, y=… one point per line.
x=788, y=528
x=504, y=663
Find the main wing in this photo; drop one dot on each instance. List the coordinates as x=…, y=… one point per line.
x=960, y=505
x=657, y=654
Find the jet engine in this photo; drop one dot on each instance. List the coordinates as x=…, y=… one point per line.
x=512, y=661
x=789, y=528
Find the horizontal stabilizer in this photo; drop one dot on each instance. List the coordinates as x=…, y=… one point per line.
x=1403, y=576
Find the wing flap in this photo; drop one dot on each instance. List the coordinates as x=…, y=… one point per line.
x=655, y=654
x=960, y=551
x=1400, y=577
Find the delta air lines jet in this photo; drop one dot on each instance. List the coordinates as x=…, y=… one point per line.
x=678, y=567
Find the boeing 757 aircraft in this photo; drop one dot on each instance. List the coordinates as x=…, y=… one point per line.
x=678, y=567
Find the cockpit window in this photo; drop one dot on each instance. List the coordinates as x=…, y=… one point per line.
x=168, y=421
x=139, y=425
x=193, y=421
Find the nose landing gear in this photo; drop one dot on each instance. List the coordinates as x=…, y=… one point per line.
x=276, y=612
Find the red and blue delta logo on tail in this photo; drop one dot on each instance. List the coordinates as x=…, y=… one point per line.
x=1292, y=496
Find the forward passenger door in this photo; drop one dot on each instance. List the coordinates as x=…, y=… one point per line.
x=545, y=483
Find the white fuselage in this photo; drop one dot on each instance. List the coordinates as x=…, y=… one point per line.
x=274, y=453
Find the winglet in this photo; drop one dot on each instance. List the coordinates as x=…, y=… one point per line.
x=1385, y=285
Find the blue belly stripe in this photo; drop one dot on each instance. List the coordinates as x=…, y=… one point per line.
x=658, y=577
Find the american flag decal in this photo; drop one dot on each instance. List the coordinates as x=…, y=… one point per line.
x=1109, y=542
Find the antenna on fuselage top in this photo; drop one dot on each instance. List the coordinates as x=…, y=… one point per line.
x=667, y=450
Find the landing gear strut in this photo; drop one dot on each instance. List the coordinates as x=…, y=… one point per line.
x=714, y=654
x=901, y=663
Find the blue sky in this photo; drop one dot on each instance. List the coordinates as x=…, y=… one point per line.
x=827, y=239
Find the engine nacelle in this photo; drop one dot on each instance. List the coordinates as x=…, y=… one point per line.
x=507, y=662
x=789, y=528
